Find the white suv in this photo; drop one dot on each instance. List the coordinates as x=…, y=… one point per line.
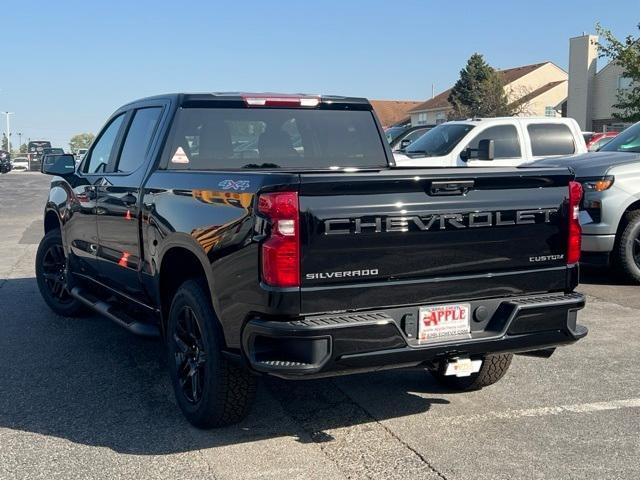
x=505, y=141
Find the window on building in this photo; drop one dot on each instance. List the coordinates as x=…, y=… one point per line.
x=624, y=83
x=441, y=117
x=550, y=111
x=422, y=119
x=549, y=139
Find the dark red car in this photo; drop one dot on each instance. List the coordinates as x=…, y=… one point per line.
x=599, y=140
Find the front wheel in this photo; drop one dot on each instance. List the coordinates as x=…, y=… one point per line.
x=493, y=369
x=210, y=390
x=627, y=249
x=51, y=276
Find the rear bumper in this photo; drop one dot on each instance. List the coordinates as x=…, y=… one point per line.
x=328, y=345
x=598, y=243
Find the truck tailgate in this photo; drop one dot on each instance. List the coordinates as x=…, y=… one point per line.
x=419, y=236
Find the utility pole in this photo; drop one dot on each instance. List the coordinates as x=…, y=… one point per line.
x=19, y=141
x=8, y=130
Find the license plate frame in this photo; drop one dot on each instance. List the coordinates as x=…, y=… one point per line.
x=437, y=323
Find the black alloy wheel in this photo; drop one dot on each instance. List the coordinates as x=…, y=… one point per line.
x=53, y=265
x=51, y=276
x=210, y=389
x=190, y=355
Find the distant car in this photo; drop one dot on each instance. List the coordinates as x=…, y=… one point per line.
x=5, y=162
x=599, y=140
x=20, y=164
x=392, y=133
x=408, y=136
x=80, y=153
x=53, y=151
x=35, y=150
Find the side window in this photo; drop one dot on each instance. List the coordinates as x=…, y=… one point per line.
x=99, y=156
x=550, y=139
x=138, y=138
x=505, y=138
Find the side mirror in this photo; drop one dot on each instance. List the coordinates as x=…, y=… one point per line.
x=58, y=164
x=486, y=149
x=404, y=144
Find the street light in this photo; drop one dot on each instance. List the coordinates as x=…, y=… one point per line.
x=8, y=130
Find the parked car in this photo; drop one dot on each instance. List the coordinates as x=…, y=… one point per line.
x=611, y=203
x=507, y=141
x=411, y=134
x=599, y=140
x=392, y=133
x=317, y=261
x=52, y=150
x=20, y=164
x=5, y=162
x=35, y=150
x=80, y=153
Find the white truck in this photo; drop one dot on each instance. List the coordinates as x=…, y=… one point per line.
x=500, y=142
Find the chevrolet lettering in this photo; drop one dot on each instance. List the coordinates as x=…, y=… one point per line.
x=343, y=226
x=263, y=251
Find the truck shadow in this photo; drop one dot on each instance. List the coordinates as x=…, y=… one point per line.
x=600, y=275
x=90, y=382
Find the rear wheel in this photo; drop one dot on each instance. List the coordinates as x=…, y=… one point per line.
x=51, y=276
x=493, y=369
x=627, y=249
x=210, y=390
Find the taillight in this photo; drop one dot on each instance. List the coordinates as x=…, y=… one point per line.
x=281, y=251
x=575, y=230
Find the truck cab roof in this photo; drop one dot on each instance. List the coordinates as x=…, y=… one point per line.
x=240, y=99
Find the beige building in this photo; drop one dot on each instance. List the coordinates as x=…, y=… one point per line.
x=593, y=93
x=541, y=89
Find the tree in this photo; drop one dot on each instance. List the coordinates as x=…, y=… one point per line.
x=626, y=54
x=479, y=92
x=81, y=140
x=23, y=148
x=5, y=143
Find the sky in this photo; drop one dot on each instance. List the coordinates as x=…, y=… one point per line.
x=67, y=65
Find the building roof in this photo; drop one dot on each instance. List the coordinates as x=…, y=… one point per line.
x=508, y=75
x=539, y=91
x=391, y=112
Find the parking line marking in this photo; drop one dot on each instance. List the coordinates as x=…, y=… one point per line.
x=543, y=411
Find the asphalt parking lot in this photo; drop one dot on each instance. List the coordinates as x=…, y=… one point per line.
x=82, y=398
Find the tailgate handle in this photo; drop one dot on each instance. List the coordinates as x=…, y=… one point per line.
x=457, y=187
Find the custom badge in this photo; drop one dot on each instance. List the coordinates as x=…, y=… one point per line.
x=234, y=184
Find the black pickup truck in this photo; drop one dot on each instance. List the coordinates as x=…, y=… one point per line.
x=272, y=234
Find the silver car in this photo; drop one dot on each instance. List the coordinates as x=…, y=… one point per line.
x=610, y=214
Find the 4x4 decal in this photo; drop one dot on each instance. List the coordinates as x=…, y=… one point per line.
x=234, y=184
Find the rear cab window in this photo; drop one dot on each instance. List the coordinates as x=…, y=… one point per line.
x=218, y=138
x=549, y=139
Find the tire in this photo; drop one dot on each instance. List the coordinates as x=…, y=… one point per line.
x=626, y=253
x=209, y=389
x=50, y=276
x=493, y=369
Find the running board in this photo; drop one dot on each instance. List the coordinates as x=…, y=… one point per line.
x=121, y=318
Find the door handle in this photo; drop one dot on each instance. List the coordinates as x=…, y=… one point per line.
x=455, y=187
x=129, y=200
